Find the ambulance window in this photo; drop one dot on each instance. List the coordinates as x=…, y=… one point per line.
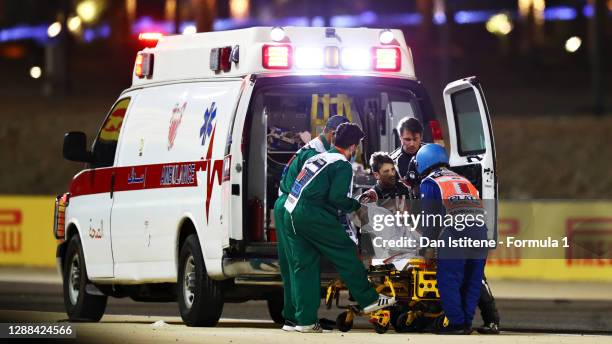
x=106, y=144
x=470, y=132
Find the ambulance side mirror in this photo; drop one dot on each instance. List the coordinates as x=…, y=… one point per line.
x=75, y=147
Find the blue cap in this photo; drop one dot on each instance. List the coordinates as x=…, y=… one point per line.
x=334, y=121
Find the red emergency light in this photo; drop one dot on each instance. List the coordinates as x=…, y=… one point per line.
x=277, y=56
x=150, y=36
x=387, y=59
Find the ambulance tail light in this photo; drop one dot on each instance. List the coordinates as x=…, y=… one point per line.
x=436, y=132
x=276, y=56
x=387, y=59
x=59, y=218
x=144, y=65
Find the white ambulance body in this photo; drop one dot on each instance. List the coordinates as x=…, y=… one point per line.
x=176, y=200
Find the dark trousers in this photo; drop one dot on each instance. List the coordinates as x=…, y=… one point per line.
x=486, y=304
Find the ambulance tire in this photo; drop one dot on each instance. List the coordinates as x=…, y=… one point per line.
x=200, y=299
x=80, y=305
x=275, y=308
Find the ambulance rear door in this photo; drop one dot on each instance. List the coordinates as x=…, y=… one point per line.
x=472, y=147
x=233, y=166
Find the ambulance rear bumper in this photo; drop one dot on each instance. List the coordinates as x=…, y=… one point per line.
x=261, y=271
x=242, y=267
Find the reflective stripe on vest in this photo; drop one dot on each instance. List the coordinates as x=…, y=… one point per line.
x=312, y=168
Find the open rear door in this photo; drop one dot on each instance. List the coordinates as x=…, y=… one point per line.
x=472, y=148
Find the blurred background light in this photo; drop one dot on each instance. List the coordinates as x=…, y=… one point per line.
x=35, y=72
x=499, y=24
x=560, y=13
x=573, y=44
x=317, y=22
x=74, y=24
x=239, y=9
x=54, y=29
x=189, y=29
x=88, y=10
x=471, y=17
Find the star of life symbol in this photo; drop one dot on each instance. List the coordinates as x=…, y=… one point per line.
x=207, y=127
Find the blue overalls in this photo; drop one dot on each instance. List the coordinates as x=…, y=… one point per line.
x=460, y=271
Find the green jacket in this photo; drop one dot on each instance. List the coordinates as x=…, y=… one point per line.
x=297, y=162
x=330, y=188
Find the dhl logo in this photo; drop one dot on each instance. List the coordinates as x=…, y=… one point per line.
x=10, y=231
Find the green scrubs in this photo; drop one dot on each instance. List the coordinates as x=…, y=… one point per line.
x=294, y=167
x=314, y=230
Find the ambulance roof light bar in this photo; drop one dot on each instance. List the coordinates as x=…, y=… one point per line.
x=277, y=56
x=387, y=59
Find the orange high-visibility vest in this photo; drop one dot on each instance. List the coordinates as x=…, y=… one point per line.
x=458, y=194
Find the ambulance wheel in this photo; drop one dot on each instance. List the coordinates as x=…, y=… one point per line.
x=199, y=297
x=275, y=308
x=80, y=305
x=402, y=324
x=342, y=324
x=380, y=329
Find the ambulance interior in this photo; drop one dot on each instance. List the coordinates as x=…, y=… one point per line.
x=283, y=117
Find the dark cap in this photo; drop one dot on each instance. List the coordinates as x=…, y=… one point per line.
x=334, y=121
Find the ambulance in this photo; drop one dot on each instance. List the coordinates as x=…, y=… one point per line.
x=175, y=202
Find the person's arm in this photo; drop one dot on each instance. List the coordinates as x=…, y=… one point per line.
x=286, y=180
x=341, y=175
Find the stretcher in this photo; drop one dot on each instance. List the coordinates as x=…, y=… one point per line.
x=401, y=274
x=415, y=289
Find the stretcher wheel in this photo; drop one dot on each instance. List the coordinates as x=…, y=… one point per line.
x=439, y=322
x=380, y=329
x=405, y=324
x=342, y=323
x=395, y=313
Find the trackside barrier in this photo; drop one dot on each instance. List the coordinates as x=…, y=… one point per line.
x=26, y=238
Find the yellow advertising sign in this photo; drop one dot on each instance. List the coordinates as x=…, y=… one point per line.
x=26, y=238
x=582, y=228
x=26, y=231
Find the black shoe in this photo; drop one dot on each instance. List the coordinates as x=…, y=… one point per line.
x=491, y=328
x=327, y=324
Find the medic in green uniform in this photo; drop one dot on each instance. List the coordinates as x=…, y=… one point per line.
x=317, y=145
x=323, y=187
